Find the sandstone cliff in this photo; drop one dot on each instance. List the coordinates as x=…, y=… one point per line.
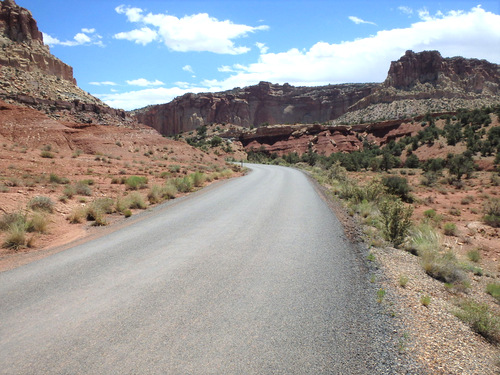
x=254, y=106
x=417, y=83
x=30, y=75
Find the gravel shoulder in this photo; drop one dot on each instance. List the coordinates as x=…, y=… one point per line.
x=431, y=338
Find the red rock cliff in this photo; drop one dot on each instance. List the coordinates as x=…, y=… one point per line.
x=22, y=44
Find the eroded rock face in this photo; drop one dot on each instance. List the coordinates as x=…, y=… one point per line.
x=254, y=106
x=22, y=44
x=417, y=82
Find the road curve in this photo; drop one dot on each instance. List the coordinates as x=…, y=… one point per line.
x=254, y=276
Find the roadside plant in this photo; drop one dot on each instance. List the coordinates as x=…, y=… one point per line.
x=396, y=219
x=493, y=289
x=136, y=182
x=380, y=295
x=41, y=203
x=480, y=318
x=425, y=300
x=403, y=281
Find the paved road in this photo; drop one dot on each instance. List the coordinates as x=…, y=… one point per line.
x=254, y=276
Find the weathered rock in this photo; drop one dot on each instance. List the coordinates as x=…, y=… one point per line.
x=254, y=106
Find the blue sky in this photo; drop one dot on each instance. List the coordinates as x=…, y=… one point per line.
x=135, y=53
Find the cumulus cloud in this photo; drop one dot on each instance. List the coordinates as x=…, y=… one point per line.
x=142, y=82
x=197, y=32
x=141, y=98
x=358, y=20
x=473, y=34
x=85, y=37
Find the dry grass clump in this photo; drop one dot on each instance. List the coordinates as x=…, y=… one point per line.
x=480, y=318
x=41, y=203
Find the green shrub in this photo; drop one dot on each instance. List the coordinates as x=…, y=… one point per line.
x=494, y=290
x=77, y=215
x=58, y=180
x=450, y=229
x=174, y=168
x=492, y=212
x=69, y=191
x=396, y=218
x=480, y=318
x=430, y=214
x=127, y=213
x=136, y=182
x=474, y=255
x=425, y=300
x=403, y=280
x=82, y=188
x=47, y=154
x=444, y=267
x=183, y=184
x=423, y=239
x=397, y=186
x=198, y=179
x=41, y=203
x=135, y=200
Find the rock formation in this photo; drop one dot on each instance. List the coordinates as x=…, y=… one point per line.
x=254, y=106
x=30, y=75
x=417, y=83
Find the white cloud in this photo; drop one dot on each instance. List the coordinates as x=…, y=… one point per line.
x=358, y=20
x=188, y=68
x=85, y=37
x=144, y=82
x=472, y=34
x=405, y=10
x=197, y=32
x=105, y=83
x=139, y=36
x=262, y=47
x=141, y=98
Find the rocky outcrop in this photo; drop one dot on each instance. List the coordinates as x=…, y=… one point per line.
x=31, y=76
x=254, y=106
x=417, y=83
x=22, y=44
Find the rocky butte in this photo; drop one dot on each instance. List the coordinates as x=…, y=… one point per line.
x=30, y=75
x=417, y=83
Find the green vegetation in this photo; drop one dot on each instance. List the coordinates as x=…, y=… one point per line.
x=136, y=182
x=480, y=318
x=494, y=290
x=492, y=212
x=41, y=203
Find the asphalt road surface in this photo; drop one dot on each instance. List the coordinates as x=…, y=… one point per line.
x=253, y=276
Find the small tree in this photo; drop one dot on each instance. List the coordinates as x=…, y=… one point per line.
x=460, y=165
x=396, y=219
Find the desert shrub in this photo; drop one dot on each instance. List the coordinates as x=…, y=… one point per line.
x=450, y=229
x=98, y=209
x=174, y=168
x=136, y=182
x=10, y=219
x=423, y=239
x=198, y=179
x=403, y=281
x=425, y=300
x=474, y=255
x=159, y=193
x=69, y=191
x=443, y=267
x=37, y=223
x=460, y=165
x=82, y=188
x=16, y=236
x=41, y=203
x=183, y=184
x=480, y=318
x=397, y=186
x=429, y=178
x=135, y=200
x=58, y=180
x=491, y=210
x=494, y=290
x=430, y=214
x=47, y=154
x=468, y=199
x=77, y=215
x=396, y=219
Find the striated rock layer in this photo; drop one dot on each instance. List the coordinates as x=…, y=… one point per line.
x=254, y=106
x=31, y=76
x=417, y=83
